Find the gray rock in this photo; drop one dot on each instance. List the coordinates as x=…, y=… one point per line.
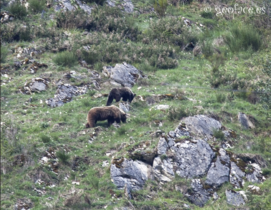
x=192, y=159
x=128, y=6
x=163, y=169
x=65, y=93
x=234, y=198
x=217, y=174
x=67, y=5
x=256, y=176
x=124, y=106
x=111, y=3
x=199, y=196
x=162, y=146
x=202, y=125
x=84, y=7
x=132, y=173
x=225, y=159
x=244, y=121
x=236, y=176
x=124, y=74
x=38, y=86
x=172, y=134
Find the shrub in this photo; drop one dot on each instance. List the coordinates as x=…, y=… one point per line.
x=243, y=38
x=94, y=181
x=65, y=58
x=62, y=156
x=218, y=134
x=45, y=139
x=121, y=131
x=14, y=31
x=18, y=10
x=160, y=7
x=36, y=6
x=4, y=53
x=176, y=113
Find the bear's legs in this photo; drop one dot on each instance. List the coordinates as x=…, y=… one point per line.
x=110, y=121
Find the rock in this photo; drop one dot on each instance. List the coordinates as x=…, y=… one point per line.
x=23, y=204
x=218, y=42
x=181, y=130
x=69, y=5
x=161, y=107
x=244, y=121
x=256, y=175
x=198, y=195
x=236, y=176
x=4, y=16
x=128, y=6
x=132, y=173
x=110, y=3
x=124, y=74
x=254, y=189
x=163, y=169
x=218, y=174
x=192, y=159
x=64, y=94
x=36, y=85
x=162, y=146
x=201, y=125
x=215, y=196
x=197, y=50
x=146, y=156
x=124, y=107
x=234, y=198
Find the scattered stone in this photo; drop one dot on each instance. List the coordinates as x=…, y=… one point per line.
x=254, y=189
x=244, y=121
x=64, y=94
x=35, y=66
x=5, y=17
x=127, y=5
x=36, y=85
x=215, y=196
x=254, y=158
x=254, y=173
x=105, y=163
x=69, y=5
x=202, y=125
x=132, y=173
x=198, y=195
x=124, y=107
x=234, y=198
x=23, y=204
x=162, y=146
x=161, y=107
x=124, y=74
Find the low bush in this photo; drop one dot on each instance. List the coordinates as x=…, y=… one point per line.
x=18, y=10
x=220, y=98
x=176, y=113
x=15, y=31
x=160, y=7
x=208, y=15
x=218, y=134
x=62, y=156
x=65, y=58
x=242, y=37
x=45, y=139
x=100, y=2
x=36, y=6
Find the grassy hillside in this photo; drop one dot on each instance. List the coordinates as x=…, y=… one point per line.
x=230, y=75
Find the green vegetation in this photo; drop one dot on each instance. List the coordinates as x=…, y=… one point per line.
x=230, y=75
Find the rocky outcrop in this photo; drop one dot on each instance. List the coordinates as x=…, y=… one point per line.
x=65, y=93
x=124, y=74
x=202, y=125
x=192, y=158
x=236, y=176
x=36, y=85
x=234, y=198
x=131, y=173
x=69, y=6
x=127, y=5
x=163, y=169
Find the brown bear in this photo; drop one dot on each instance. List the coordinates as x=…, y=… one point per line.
x=109, y=113
x=117, y=93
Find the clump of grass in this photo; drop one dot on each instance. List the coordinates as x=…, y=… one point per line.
x=207, y=15
x=4, y=53
x=62, y=156
x=243, y=38
x=17, y=9
x=36, y=6
x=86, y=102
x=220, y=98
x=160, y=7
x=94, y=181
x=45, y=139
x=176, y=113
x=121, y=131
x=44, y=125
x=218, y=134
x=91, y=92
x=65, y=58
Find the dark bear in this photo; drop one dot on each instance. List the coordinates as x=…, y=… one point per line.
x=117, y=93
x=109, y=113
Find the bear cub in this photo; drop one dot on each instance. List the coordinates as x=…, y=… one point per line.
x=109, y=113
x=117, y=93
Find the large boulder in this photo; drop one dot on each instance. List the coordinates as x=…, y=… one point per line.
x=192, y=158
x=236, y=176
x=202, y=125
x=254, y=173
x=124, y=74
x=131, y=173
x=244, y=121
